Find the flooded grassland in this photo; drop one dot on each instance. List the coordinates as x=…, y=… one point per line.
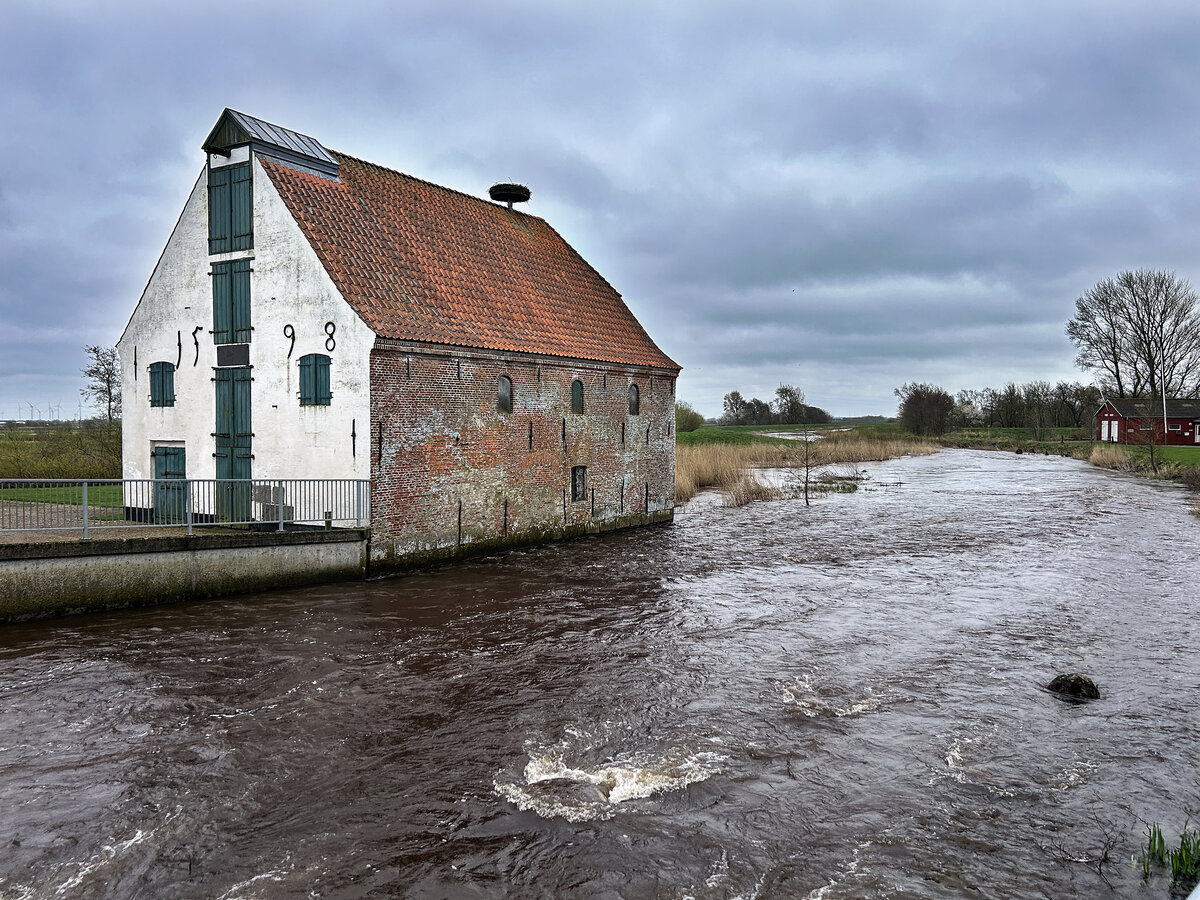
x=770, y=701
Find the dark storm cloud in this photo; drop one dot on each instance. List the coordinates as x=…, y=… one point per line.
x=846, y=196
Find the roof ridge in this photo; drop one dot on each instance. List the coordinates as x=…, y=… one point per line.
x=490, y=204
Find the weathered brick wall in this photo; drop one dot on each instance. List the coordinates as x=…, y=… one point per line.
x=449, y=469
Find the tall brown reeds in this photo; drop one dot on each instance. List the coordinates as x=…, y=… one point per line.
x=721, y=466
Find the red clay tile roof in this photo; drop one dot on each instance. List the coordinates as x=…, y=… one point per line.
x=421, y=262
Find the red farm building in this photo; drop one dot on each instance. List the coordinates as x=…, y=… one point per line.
x=1134, y=421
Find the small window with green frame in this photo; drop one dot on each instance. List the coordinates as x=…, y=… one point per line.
x=314, y=380
x=162, y=384
x=577, y=397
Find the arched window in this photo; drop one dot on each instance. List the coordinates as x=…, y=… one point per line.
x=577, y=397
x=162, y=384
x=504, y=395
x=634, y=400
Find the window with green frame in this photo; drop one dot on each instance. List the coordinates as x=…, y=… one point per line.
x=231, y=302
x=162, y=384
x=577, y=397
x=314, y=380
x=230, y=208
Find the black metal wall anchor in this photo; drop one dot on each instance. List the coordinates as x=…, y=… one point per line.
x=353, y=438
x=196, y=341
x=290, y=332
x=178, y=347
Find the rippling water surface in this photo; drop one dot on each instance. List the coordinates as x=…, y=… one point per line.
x=774, y=701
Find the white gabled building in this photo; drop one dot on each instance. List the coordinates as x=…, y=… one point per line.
x=316, y=316
x=242, y=359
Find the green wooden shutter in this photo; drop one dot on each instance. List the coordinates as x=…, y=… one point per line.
x=234, y=440
x=220, y=239
x=242, y=434
x=308, y=380
x=222, y=282
x=162, y=384
x=241, y=207
x=240, y=302
x=314, y=380
x=322, y=380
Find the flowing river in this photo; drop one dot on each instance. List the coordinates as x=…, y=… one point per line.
x=774, y=701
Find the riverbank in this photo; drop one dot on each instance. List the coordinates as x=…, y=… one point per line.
x=724, y=458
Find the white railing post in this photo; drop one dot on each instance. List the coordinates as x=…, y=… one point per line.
x=85, y=511
x=279, y=503
x=187, y=504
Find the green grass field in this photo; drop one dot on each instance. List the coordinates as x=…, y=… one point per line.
x=732, y=434
x=71, y=495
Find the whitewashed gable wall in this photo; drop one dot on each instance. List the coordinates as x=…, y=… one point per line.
x=289, y=286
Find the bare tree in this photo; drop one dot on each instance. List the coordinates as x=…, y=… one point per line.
x=924, y=408
x=103, y=389
x=789, y=405
x=1149, y=438
x=1038, y=398
x=1140, y=333
x=735, y=409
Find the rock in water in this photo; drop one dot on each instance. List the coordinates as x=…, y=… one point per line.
x=1075, y=685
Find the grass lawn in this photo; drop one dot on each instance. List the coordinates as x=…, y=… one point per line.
x=732, y=434
x=1187, y=456
x=68, y=494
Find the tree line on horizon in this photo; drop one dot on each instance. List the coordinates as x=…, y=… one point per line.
x=1138, y=333
x=788, y=408
x=927, y=409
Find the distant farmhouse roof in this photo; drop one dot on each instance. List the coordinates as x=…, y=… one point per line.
x=425, y=263
x=1149, y=409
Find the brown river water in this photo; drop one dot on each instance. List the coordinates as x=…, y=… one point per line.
x=775, y=701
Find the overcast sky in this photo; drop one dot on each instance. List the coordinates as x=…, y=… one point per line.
x=844, y=196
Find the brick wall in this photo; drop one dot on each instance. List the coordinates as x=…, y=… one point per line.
x=449, y=469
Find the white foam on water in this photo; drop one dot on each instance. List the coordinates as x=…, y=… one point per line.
x=850, y=871
x=805, y=697
x=107, y=854
x=578, y=792
x=1074, y=775
x=237, y=892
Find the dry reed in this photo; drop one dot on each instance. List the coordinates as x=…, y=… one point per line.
x=1108, y=457
x=748, y=489
x=721, y=466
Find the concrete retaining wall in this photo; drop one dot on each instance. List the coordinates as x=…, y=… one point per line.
x=39, y=580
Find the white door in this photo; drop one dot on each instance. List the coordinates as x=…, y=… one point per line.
x=1104, y=429
x=1116, y=430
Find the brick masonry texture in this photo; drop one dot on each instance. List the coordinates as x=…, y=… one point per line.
x=449, y=469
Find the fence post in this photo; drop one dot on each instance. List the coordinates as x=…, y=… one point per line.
x=279, y=503
x=85, y=512
x=187, y=504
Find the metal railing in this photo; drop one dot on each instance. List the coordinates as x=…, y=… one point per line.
x=28, y=504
